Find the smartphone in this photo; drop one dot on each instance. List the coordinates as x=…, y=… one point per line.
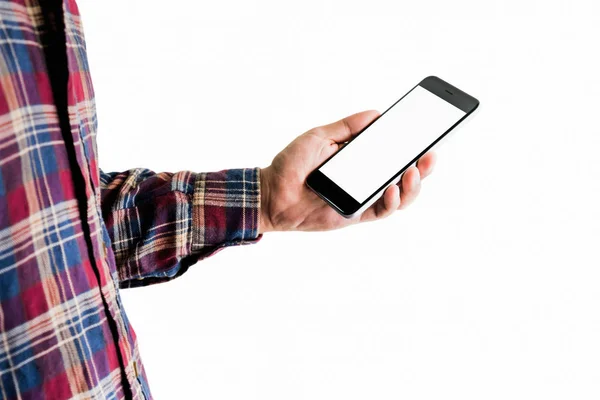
x=357, y=175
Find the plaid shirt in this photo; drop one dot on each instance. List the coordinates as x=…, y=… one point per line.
x=70, y=235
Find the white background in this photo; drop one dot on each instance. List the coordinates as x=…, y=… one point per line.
x=487, y=288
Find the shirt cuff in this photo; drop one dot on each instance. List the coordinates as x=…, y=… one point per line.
x=225, y=209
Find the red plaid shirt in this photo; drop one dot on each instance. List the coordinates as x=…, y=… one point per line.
x=70, y=235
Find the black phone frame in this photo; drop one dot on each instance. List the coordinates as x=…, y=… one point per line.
x=345, y=204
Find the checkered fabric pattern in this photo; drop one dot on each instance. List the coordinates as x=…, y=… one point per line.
x=71, y=236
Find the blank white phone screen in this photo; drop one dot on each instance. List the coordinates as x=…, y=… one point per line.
x=391, y=143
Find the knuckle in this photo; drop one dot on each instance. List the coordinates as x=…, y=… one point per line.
x=317, y=131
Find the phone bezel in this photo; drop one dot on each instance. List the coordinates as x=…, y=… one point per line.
x=345, y=204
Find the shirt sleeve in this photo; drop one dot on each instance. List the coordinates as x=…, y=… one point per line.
x=162, y=223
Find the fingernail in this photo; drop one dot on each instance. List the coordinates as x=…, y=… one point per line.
x=416, y=180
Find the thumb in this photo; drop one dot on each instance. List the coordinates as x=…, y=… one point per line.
x=346, y=128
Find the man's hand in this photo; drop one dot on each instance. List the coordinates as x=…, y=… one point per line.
x=288, y=204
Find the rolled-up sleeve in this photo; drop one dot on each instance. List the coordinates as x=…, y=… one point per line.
x=162, y=223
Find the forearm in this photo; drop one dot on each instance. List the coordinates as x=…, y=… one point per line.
x=161, y=223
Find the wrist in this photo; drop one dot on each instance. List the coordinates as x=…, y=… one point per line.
x=264, y=221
